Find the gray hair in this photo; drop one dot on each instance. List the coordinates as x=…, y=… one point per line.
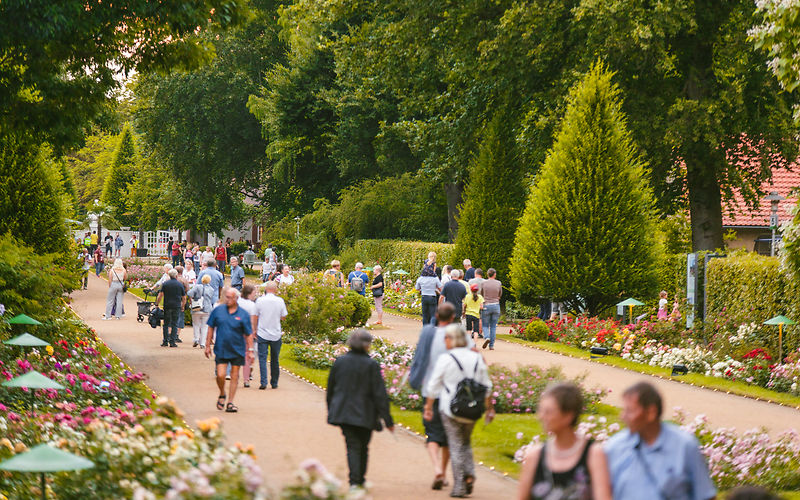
x=467, y=262
x=211, y=263
x=230, y=288
x=271, y=286
x=359, y=340
x=173, y=273
x=235, y=258
x=456, y=332
x=167, y=267
x=359, y=265
x=455, y=273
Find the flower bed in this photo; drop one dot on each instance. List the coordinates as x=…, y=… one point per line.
x=733, y=352
x=514, y=391
x=401, y=296
x=733, y=459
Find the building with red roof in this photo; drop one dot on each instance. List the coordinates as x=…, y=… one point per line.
x=752, y=225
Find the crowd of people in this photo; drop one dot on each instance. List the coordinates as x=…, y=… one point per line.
x=649, y=459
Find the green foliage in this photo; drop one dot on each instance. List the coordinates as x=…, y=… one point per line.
x=31, y=196
x=535, y=330
x=586, y=237
x=121, y=174
x=777, y=35
x=362, y=308
x=89, y=168
x=394, y=254
x=320, y=312
x=60, y=58
x=238, y=247
x=32, y=282
x=495, y=198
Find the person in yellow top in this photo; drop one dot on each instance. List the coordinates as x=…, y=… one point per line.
x=473, y=304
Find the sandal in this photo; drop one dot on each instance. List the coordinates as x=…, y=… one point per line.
x=221, y=402
x=438, y=482
x=231, y=408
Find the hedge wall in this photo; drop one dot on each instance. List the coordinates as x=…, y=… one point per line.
x=406, y=255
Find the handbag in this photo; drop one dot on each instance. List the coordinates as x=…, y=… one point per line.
x=124, y=285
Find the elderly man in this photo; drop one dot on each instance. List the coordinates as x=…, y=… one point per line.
x=269, y=311
x=358, y=279
x=164, y=277
x=654, y=459
x=217, y=279
x=469, y=271
x=454, y=292
x=174, y=294
x=234, y=341
x=237, y=274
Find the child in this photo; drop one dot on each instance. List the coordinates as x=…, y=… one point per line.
x=676, y=311
x=473, y=304
x=662, y=306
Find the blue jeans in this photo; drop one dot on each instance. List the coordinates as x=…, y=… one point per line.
x=490, y=316
x=98, y=267
x=274, y=348
x=429, y=303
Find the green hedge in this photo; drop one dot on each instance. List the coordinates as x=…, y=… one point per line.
x=746, y=287
x=396, y=254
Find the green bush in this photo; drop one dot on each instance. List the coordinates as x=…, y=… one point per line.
x=587, y=235
x=238, y=248
x=121, y=175
x=494, y=199
x=320, y=312
x=396, y=254
x=32, y=283
x=535, y=330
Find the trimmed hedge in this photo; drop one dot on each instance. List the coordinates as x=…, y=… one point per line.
x=396, y=254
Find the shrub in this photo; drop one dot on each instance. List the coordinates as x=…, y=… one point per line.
x=494, y=199
x=362, y=309
x=34, y=284
x=121, y=175
x=396, y=254
x=587, y=235
x=535, y=330
x=319, y=312
x=238, y=248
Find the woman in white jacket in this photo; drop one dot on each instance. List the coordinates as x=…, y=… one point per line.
x=458, y=364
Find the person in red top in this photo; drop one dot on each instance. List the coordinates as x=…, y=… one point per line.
x=99, y=260
x=176, y=254
x=221, y=257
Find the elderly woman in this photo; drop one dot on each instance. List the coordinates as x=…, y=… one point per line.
x=459, y=363
x=116, y=279
x=428, y=285
x=568, y=465
x=202, y=295
x=357, y=402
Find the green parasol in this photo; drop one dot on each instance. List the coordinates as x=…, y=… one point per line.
x=22, y=319
x=33, y=380
x=780, y=321
x=630, y=303
x=44, y=458
x=26, y=340
x=400, y=272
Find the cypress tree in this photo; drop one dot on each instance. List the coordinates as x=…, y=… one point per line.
x=121, y=175
x=586, y=237
x=494, y=199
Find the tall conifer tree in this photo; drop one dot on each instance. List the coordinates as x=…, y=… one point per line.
x=121, y=175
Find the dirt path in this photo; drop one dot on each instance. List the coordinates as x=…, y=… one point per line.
x=723, y=410
x=286, y=425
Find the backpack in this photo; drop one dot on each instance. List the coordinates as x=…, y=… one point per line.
x=357, y=284
x=469, y=401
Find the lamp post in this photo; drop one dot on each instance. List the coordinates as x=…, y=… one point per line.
x=774, y=201
x=45, y=458
x=630, y=303
x=297, y=232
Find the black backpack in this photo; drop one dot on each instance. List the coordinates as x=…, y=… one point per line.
x=469, y=401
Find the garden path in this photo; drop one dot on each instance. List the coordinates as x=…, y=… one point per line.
x=286, y=426
x=722, y=409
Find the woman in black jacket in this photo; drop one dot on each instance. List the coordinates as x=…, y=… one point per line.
x=357, y=401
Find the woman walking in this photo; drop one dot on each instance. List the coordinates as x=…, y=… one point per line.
x=568, y=466
x=357, y=402
x=492, y=291
x=377, y=292
x=428, y=285
x=202, y=296
x=247, y=302
x=116, y=278
x=458, y=364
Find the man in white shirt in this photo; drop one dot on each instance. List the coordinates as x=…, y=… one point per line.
x=269, y=311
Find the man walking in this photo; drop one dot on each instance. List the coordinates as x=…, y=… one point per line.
x=217, y=279
x=237, y=274
x=109, y=241
x=99, y=261
x=174, y=294
x=429, y=347
x=221, y=256
x=358, y=279
x=118, y=244
x=477, y=280
x=86, y=259
x=234, y=341
x=655, y=459
x=270, y=310
x=454, y=292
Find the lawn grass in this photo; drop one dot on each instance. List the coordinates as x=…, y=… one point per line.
x=696, y=379
x=493, y=445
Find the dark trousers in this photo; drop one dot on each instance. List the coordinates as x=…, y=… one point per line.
x=274, y=348
x=170, y=325
x=176, y=260
x=429, y=304
x=357, y=441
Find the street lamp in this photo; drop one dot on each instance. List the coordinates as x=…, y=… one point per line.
x=774, y=200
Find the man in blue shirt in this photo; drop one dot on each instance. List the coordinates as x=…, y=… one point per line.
x=358, y=279
x=237, y=274
x=654, y=459
x=234, y=341
x=217, y=279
